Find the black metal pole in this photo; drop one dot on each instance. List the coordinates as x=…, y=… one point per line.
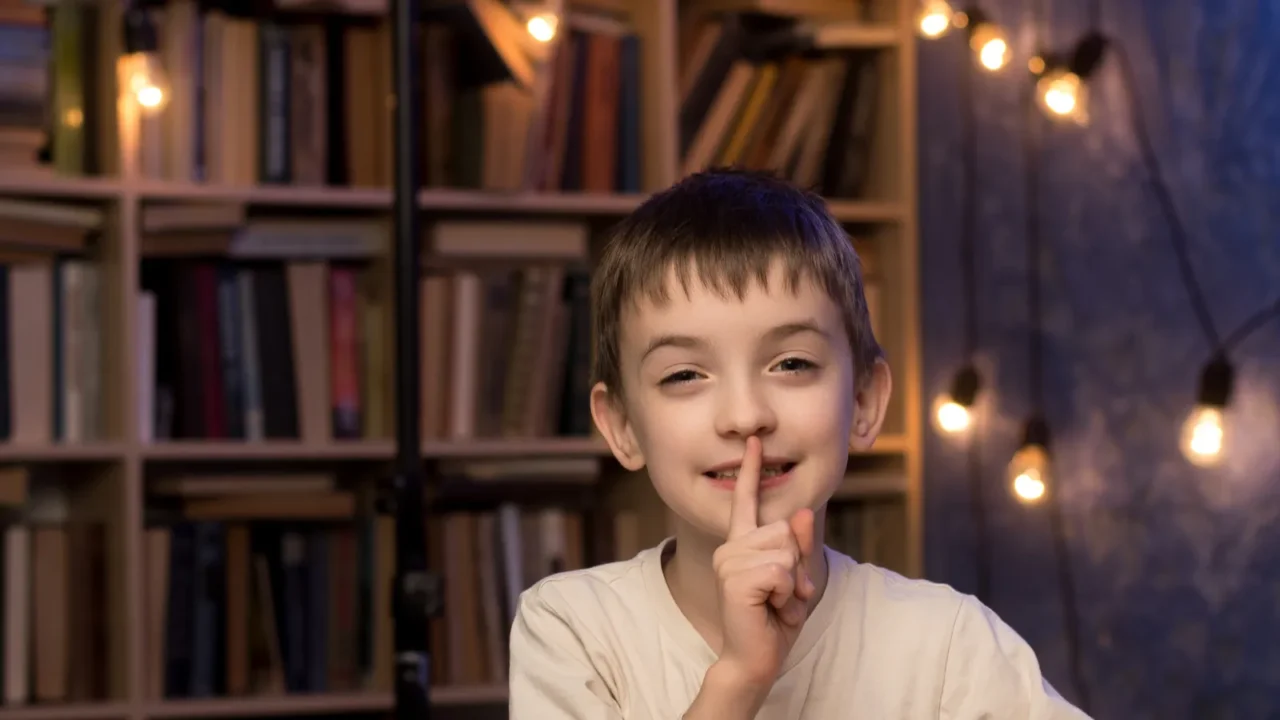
x=416, y=595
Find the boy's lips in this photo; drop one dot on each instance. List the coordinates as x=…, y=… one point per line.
x=774, y=472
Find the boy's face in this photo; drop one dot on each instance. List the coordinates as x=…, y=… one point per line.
x=702, y=372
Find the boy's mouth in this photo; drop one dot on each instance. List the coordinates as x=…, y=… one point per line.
x=772, y=472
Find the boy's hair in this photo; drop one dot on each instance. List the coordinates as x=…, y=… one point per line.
x=729, y=225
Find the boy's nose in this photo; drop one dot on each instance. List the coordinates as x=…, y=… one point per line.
x=742, y=412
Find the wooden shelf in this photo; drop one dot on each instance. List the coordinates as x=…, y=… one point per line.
x=890, y=445
x=37, y=184
x=530, y=448
x=221, y=450
x=318, y=704
x=856, y=35
x=276, y=705
x=859, y=487
x=70, y=711
x=283, y=195
x=866, y=211
x=437, y=199
x=577, y=204
x=69, y=452
x=539, y=203
x=231, y=450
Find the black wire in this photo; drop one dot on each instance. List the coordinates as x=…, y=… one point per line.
x=1177, y=232
x=1035, y=250
x=1070, y=613
x=1251, y=325
x=978, y=509
x=969, y=210
x=969, y=289
x=1031, y=154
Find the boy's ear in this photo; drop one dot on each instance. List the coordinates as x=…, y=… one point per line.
x=869, y=406
x=611, y=420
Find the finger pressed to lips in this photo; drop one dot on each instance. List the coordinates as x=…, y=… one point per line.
x=744, y=512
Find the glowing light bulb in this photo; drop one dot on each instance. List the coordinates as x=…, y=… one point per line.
x=952, y=410
x=1204, y=433
x=935, y=18
x=146, y=82
x=542, y=26
x=1029, y=473
x=990, y=44
x=1203, y=436
x=1062, y=95
x=952, y=417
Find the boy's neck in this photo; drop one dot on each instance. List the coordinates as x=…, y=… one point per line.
x=691, y=578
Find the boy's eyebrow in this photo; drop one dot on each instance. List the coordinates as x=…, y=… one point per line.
x=781, y=332
x=786, y=330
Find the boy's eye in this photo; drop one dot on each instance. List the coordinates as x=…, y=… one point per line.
x=794, y=365
x=680, y=376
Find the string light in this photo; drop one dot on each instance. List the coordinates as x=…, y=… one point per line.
x=987, y=39
x=142, y=76
x=935, y=18
x=952, y=410
x=1061, y=84
x=1062, y=94
x=1204, y=431
x=1029, y=472
x=542, y=27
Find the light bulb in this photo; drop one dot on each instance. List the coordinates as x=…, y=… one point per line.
x=1029, y=473
x=952, y=410
x=146, y=82
x=952, y=417
x=1062, y=95
x=989, y=42
x=542, y=27
x=935, y=18
x=1203, y=435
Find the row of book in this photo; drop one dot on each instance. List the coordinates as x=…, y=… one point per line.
x=807, y=116
x=259, y=350
x=51, y=351
x=279, y=584
x=55, y=624
x=308, y=101
x=57, y=101
x=266, y=585
x=300, y=349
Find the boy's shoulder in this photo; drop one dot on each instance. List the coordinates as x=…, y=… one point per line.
x=892, y=599
x=609, y=589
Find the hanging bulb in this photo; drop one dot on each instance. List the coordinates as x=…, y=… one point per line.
x=989, y=42
x=1062, y=95
x=952, y=411
x=935, y=18
x=142, y=77
x=542, y=27
x=146, y=82
x=1029, y=471
x=1059, y=91
x=1203, y=437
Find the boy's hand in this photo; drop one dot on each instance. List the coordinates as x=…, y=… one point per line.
x=763, y=580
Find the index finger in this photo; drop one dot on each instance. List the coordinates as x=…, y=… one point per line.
x=743, y=513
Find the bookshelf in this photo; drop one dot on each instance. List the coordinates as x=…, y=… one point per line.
x=128, y=203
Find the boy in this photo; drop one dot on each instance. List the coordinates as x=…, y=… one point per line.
x=736, y=363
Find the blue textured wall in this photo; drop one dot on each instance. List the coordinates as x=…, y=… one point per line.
x=1178, y=568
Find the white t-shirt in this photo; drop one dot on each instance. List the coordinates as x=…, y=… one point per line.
x=609, y=643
